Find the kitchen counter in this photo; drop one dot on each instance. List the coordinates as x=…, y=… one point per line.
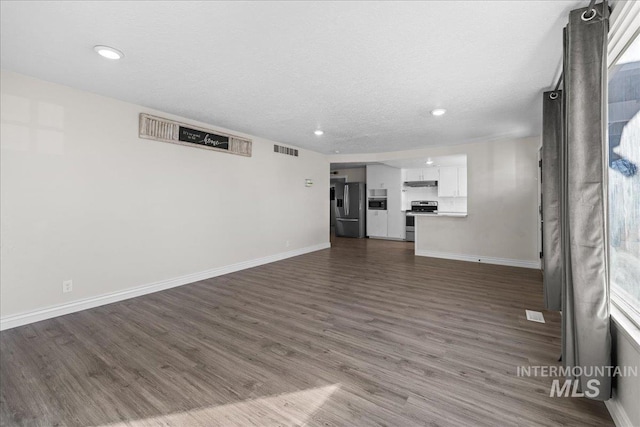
x=425, y=230
x=448, y=214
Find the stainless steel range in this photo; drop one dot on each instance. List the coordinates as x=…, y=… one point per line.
x=418, y=207
x=424, y=206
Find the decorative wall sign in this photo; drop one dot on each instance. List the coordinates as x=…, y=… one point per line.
x=203, y=138
x=165, y=130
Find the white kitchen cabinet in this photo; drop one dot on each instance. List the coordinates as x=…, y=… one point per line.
x=448, y=182
x=452, y=182
x=387, y=180
x=430, y=174
x=377, y=225
x=413, y=175
x=377, y=177
x=426, y=174
x=395, y=227
x=462, y=182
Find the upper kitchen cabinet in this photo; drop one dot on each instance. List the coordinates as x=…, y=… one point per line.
x=430, y=174
x=462, y=182
x=382, y=177
x=412, y=175
x=426, y=174
x=378, y=177
x=452, y=182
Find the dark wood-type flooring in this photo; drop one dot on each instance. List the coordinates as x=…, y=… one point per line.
x=362, y=334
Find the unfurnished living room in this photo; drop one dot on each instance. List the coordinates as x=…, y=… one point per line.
x=320, y=213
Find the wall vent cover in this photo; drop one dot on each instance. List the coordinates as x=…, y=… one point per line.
x=285, y=150
x=535, y=316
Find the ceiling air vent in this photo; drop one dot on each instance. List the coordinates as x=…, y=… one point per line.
x=285, y=150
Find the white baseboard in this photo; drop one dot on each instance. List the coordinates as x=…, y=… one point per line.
x=618, y=414
x=479, y=258
x=15, y=320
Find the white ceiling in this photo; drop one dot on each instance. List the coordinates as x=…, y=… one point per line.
x=419, y=163
x=367, y=73
x=410, y=163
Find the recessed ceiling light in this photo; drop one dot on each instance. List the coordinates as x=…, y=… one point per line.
x=429, y=162
x=337, y=151
x=438, y=112
x=108, y=52
x=318, y=132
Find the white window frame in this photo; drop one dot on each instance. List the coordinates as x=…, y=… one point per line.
x=624, y=28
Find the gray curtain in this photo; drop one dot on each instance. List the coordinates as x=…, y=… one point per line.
x=552, y=138
x=586, y=340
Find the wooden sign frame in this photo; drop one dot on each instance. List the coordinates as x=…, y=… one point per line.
x=165, y=130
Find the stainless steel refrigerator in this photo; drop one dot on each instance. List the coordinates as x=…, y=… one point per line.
x=350, y=210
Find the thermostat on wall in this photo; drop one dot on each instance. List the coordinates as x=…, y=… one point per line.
x=308, y=183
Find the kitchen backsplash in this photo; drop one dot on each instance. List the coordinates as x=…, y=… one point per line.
x=445, y=204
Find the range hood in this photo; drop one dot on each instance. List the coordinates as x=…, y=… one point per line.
x=421, y=183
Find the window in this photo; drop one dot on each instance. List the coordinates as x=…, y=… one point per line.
x=624, y=180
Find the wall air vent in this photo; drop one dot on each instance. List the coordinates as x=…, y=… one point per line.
x=534, y=316
x=285, y=150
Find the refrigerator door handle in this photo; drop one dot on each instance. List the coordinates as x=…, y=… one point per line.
x=347, y=219
x=346, y=199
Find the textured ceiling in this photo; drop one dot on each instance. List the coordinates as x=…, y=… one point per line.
x=410, y=163
x=367, y=73
x=455, y=160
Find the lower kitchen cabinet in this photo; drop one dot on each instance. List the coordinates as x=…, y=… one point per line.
x=395, y=224
x=377, y=223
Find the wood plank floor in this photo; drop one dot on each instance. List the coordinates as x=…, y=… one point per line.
x=362, y=334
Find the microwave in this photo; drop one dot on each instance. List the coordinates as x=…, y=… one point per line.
x=378, y=204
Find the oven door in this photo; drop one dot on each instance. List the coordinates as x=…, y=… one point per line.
x=410, y=224
x=410, y=221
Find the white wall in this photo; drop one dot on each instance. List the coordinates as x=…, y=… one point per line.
x=352, y=174
x=502, y=202
x=83, y=198
x=624, y=406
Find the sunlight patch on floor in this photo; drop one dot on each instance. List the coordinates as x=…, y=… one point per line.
x=284, y=409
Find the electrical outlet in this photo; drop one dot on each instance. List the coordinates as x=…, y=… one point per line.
x=67, y=286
